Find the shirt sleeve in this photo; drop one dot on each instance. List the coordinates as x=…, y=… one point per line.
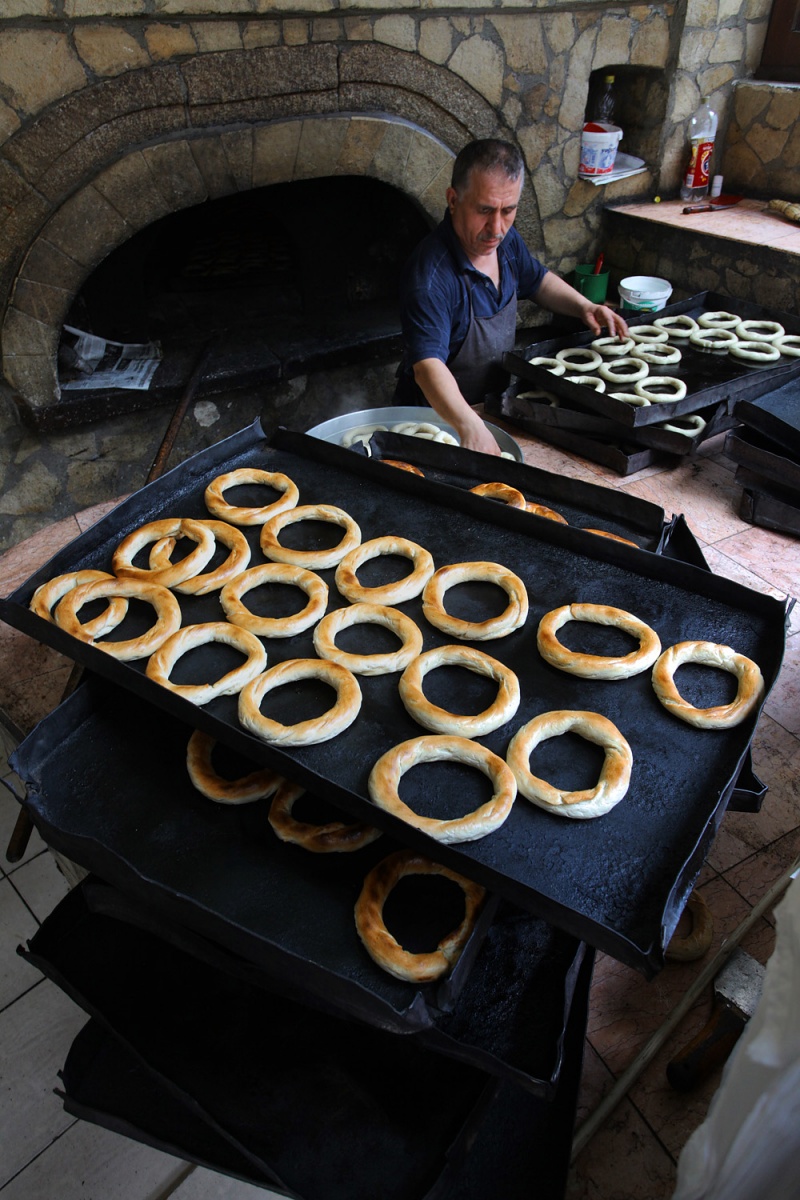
x=430, y=307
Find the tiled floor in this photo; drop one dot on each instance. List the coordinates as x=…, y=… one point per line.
x=44, y=1153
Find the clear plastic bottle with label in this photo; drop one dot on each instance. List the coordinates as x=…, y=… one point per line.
x=605, y=104
x=702, y=131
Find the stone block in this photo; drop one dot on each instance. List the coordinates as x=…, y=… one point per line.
x=213, y=36
x=613, y=41
x=784, y=108
x=212, y=163
x=109, y=50
x=480, y=63
x=200, y=8
x=695, y=49
x=44, y=263
x=435, y=39
x=728, y=47
x=17, y=232
x=175, y=174
x=29, y=8
x=37, y=66
x=434, y=198
x=702, y=14
x=9, y=121
x=87, y=228
x=650, y=45
x=714, y=80
x=729, y=9
x=274, y=152
x=238, y=146
x=261, y=33
x=104, y=8
x=296, y=33
x=396, y=30
x=264, y=108
x=426, y=159
x=455, y=119
x=389, y=161
x=33, y=376
x=767, y=143
x=320, y=144
x=35, y=493
x=128, y=185
x=45, y=303
x=550, y=192
x=24, y=335
x=358, y=29
x=326, y=29
x=523, y=43
x=559, y=30
x=361, y=144
x=169, y=41
x=269, y=71
x=573, y=104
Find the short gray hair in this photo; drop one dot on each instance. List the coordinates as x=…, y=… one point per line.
x=486, y=154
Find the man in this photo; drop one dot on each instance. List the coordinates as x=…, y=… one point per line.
x=460, y=289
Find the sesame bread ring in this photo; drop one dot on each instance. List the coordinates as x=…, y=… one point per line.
x=759, y=331
x=541, y=510
x=649, y=334
x=579, y=358
x=440, y=720
x=47, y=596
x=384, y=949
x=199, y=585
x=615, y=773
x=592, y=381
x=315, y=560
x=624, y=370
x=236, y=515
x=676, y=389
x=553, y=365
x=371, y=614
x=789, y=344
x=479, y=631
x=258, y=785
x=500, y=491
x=168, y=615
x=305, y=733
x=678, y=327
x=718, y=320
x=154, y=531
x=660, y=354
x=385, y=779
x=708, y=654
x=713, y=340
x=614, y=536
x=756, y=352
x=630, y=398
x=335, y=837
x=407, y=588
x=161, y=663
x=403, y=466
x=595, y=666
x=613, y=347
x=277, y=627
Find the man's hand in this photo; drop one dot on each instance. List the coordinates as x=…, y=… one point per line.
x=440, y=389
x=599, y=317
x=556, y=295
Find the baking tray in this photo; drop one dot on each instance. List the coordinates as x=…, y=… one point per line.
x=763, y=504
x=763, y=456
x=618, y=883
x=322, y=1108
x=624, y=457
x=335, y=428
x=776, y=415
x=710, y=378
x=220, y=873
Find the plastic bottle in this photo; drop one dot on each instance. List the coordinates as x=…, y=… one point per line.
x=702, y=131
x=605, y=105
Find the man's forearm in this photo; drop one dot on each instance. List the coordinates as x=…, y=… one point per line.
x=557, y=296
x=440, y=389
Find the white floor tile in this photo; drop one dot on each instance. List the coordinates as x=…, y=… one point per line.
x=9, y=811
x=208, y=1185
x=16, y=926
x=41, y=884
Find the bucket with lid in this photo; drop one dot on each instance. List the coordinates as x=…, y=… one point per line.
x=644, y=293
x=599, y=141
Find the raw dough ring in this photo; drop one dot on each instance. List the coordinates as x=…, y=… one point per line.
x=595, y=666
x=553, y=365
x=255, y=786
x=659, y=354
x=646, y=390
x=161, y=663
x=713, y=340
x=372, y=614
x=718, y=320
x=440, y=720
x=305, y=733
x=611, y=371
x=385, y=779
x=696, y=424
x=757, y=352
x=315, y=560
x=541, y=510
x=592, y=381
x=379, y=943
x=277, y=627
x=199, y=585
x=335, y=837
x=708, y=654
x=168, y=615
x=789, y=343
x=579, y=358
x=679, y=326
x=613, y=347
x=500, y=491
x=649, y=334
x=47, y=595
x=615, y=773
x=630, y=398
x=407, y=588
x=403, y=466
x=218, y=506
x=751, y=331
x=154, y=531
x=479, y=631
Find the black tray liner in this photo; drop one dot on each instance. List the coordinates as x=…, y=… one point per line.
x=324, y=1108
x=624, y=457
x=776, y=415
x=763, y=504
x=764, y=457
x=619, y=883
x=709, y=378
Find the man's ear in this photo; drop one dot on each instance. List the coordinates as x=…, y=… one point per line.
x=451, y=196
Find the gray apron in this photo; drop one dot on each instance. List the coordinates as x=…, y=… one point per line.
x=477, y=366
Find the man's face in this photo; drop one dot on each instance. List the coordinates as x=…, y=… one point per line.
x=484, y=212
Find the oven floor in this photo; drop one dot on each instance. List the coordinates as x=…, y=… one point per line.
x=44, y=1152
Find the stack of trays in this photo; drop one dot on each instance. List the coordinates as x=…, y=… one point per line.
x=767, y=449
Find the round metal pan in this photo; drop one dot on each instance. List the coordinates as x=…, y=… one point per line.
x=335, y=429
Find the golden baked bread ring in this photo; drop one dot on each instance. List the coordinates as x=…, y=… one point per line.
x=678, y=327
x=277, y=627
x=385, y=779
x=440, y=720
x=163, y=660
x=613, y=347
x=676, y=389
x=371, y=614
x=708, y=654
x=649, y=334
x=615, y=773
x=154, y=531
x=759, y=331
x=315, y=560
x=168, y=615
x=718, y=320
x=541, y=510
x=407, y=588
x=614, y=536
x=579, y=358
x=624, y=370
x=258, y=785
x=479, y=631
x=200, y=585
x=595, y=666
x=403, y=466
x=384, y=949
x=503, y=492
x=236, y=515
x=47, y=596
x=335, y=837
x=696, y=943
x=305, y=733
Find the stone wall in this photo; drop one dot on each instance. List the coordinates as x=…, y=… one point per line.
x=762, y=149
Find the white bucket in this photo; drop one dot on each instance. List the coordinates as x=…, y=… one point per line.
x=644, y=293
x=598, y=150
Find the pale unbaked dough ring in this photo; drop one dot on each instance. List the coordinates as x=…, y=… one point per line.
x=161, y=663
x=659, y=354
x=503, y=492
x=315, y=560
x=371, y=614
x=708, y=654
x=615, y=773
x=236, y=515
x=479, y=631
x=553, y=365
x=648, y=334
x=440, y=720
x=47, y=596
x=630, y=398
x=385, y=778
x=200, y=585
x=718, y=320
x=756, y=352
x=624, y=370
x=613, y=347
x=579, y=358
x=713, y=339
x=676, y=387
x=383, y=948
x=678, y=327
x=335, y=837
x=154, y=531
x=789, y=344
x=168, y=615
x=278, y=627
x=759, y=331
x=305, y=733
x=692, y=426
x=596, y=666
x=407, y=588
x=258, y=785
x=592, y=381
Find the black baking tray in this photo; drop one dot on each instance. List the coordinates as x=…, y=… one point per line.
x=764, y=504
x=618, y=883
x=766, y=458
x=776, y=415
x=320, y=1107
x=710, y=378
x=242, y=898
x=624, y=457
